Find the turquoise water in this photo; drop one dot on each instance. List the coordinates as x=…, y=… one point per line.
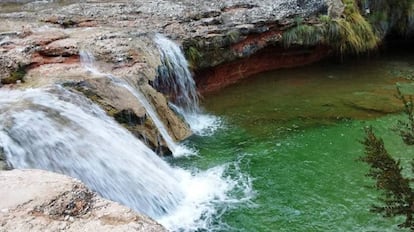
x=295, y=133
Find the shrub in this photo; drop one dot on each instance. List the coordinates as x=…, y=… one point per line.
x=397, y=194
x=349, y=34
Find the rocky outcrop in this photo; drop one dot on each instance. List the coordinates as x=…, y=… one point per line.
x=40, y=44
x=45, y=57
x=35, y=200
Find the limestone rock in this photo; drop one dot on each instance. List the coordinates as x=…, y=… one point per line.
x=35, y=200
x=53, y=56
x=174, y=124
x=335, y=8
x=124, y=107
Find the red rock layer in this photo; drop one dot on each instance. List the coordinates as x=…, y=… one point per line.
x=270, y=58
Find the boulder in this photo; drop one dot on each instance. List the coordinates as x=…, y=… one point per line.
x=36, y=200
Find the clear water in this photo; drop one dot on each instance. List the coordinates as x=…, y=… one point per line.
x=295, y=133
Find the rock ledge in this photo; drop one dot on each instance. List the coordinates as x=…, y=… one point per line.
x=36, y=200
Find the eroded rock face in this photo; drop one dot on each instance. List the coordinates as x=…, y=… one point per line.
x=48, y=56
x=212, y=23
x=35, y=200
x=213, y=79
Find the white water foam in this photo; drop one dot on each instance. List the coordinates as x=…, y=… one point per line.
x=208, y=195
x=201, y=124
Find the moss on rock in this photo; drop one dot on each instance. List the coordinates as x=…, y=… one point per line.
x=350, y=33
x=15, y=76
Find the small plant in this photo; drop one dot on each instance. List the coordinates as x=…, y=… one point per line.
x=15, y=76
x=397, y=195
x=193, y=56
x=302, y=34
x=233, y=36
x=406, y=129
x=348, y=34
x=356, y=33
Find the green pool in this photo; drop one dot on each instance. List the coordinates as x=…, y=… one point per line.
x=295, y=133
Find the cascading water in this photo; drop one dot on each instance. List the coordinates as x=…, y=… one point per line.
x=175, y=80
x=88, y=60
x=76, y=138
x=60, y=131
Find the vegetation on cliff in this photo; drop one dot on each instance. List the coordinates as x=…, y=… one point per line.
x=360, y=28
x=389, y=15
x=351, y=33
x=352, y=27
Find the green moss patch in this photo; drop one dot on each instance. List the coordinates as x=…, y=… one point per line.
x=15, y=76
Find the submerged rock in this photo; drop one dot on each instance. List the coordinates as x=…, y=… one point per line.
x=36, y=200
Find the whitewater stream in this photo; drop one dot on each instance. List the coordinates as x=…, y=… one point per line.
x=58, y=130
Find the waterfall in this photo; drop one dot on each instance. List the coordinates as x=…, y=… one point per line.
x=151, y=112
x=88, y=61
x=175, y=80
x=57, y=130
x=68, y=134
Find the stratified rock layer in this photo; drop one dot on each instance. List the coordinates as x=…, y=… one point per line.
x=35, y=200
x=223, y=31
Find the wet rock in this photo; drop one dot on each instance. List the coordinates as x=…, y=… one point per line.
x=52, y=55
x=173, y=123
x=12, y=67
x=36, y=200
x=123, y=106
x=3, y=162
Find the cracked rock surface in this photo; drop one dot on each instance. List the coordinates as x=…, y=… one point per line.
x=35, y=200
